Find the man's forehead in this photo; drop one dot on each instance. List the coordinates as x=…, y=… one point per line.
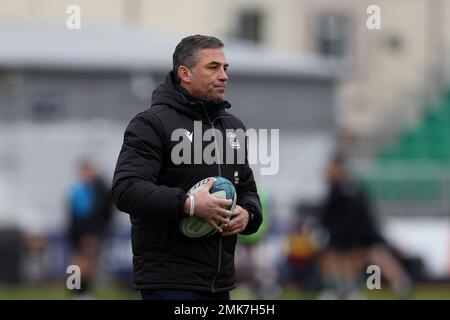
x=212, y=55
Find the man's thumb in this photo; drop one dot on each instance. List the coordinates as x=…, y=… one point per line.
x=210, y=183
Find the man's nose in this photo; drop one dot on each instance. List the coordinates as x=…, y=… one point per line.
x=223, y=75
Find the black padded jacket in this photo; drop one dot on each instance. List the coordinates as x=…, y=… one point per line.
x=151, y=188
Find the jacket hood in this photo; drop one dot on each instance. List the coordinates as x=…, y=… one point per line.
x=171, y=94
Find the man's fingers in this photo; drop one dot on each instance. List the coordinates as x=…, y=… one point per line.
x=224, y=212
x=236, y=224
x=237, y=211
x=229, y=225
x=220, y=220
x=214, y=225
x=233, y=222
x=233, y=228
x=223, y=202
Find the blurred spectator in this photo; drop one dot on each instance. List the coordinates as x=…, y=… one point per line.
x=302, y=246
x=90, y=210
x=259, y=277
x=354, y=239
x=11, y=254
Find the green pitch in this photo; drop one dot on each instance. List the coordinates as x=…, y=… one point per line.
x=53, y=292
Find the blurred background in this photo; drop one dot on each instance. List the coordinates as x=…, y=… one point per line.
x=312, y=69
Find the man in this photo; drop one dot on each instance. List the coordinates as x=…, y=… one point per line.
x=90, y=214
x=150, y=185
x=355, y=239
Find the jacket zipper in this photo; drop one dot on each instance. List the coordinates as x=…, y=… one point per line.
x=219, y=262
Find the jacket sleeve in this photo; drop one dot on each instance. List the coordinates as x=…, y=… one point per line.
x=134, y=188
x=247, y=198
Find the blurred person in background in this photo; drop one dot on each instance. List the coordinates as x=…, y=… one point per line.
x=354, y=239
x=254, y=271
x=90, y=212
x=302, y=249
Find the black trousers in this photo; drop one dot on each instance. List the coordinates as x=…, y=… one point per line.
x=168, y=294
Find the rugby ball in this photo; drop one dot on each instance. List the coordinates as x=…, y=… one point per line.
x=195, y=227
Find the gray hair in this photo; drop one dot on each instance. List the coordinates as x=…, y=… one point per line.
x=185, y=53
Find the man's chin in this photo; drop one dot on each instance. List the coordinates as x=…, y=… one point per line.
x=217, y=98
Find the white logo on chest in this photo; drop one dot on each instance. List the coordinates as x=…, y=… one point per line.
x=232, y=138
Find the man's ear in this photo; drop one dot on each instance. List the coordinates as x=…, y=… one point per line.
x=184, y=74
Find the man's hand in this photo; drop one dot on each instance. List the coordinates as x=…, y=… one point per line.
x=238, y=222
x=209, y=207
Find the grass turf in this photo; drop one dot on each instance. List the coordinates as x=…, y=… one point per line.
x=54, y=292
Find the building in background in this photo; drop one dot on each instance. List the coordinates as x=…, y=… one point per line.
x=394, y=72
